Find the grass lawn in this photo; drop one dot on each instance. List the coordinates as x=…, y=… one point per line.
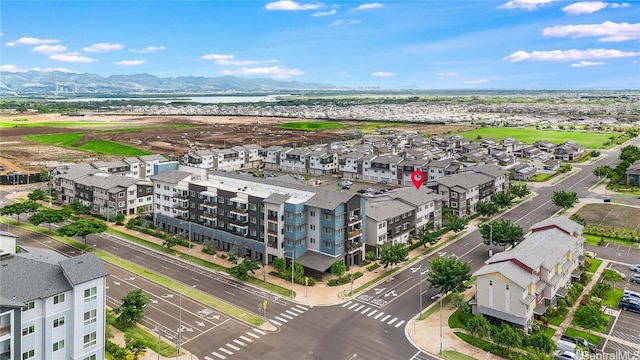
x=595, y=264
x=454, y=355
x=595, y=239
x=68, y=139
x=150, y=340
x=529, y=136
x=366, y=125
x=455, y=322
x=557, y=320
x=548, y=332
x=111, y=148
x=599, y=329
x=594, y=339
x=613, y=297
x=312, y=125
x=60, y=124
x=540, y=177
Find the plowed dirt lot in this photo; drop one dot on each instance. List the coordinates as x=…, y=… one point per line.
x=171, y=136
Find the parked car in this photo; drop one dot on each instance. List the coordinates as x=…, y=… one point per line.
x=580, y=341
x=629, y=293
x=564, y=355
x=629, y=306
x=622, y=275
x=635, y=278
x=635, y=267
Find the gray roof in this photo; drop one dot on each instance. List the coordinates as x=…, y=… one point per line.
x=466, y=180
x=276, y=198
x=152, y=157
x=74, y=172
x=325, y=199
x=44, y=279
x=414, y=197
x=383, y=208
x=511, y=271
x=107, y=182
x=387, y=159
x=316, y=261
x=171, y=176
x=489, y=170
x=561, y=222
x=109, y=164
x=83, y=268
x=502, y=315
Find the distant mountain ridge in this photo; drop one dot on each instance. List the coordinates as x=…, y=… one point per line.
x=38, y=82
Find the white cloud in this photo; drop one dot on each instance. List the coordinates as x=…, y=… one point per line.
x=345, y=22
x=31, y=41
x=448, y=74
x=216, y=57
x=274, y=71
x=60, y=69
x=369, y=6
x=573, y=54
x=607, y=31
x=49, y=49
x=382, y=74
x=325, y=13
x=288, y=5
x=476, y=82
x=11, y=68
x=584, y=7
x=149, y=49
x=103, y=47
x=130, y=62
x=72, y=58
x=587, y=63
x=524, y=4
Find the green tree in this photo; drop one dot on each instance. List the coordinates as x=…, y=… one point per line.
x=487, y=208
x=36, y=195
x=478, y=326
x=539, y=340
x=338, y=269
x=507, y=336
x=393, y=255
x=298, y=271
x=44, y=174
x=564, y=199
x=602, y=171
x=456, y=223
x=78, y=208
x=131, y=309
x=120, y=219
x=170, y=241
x=48, y=216
x=426, y=237
x=280, y=266
x=519, y=190
x=459, y=303
x=83, y=228
x=448, y=274
x=19, y=208
x=503, y=199
x=241, y=271
x=590, y=317
x=501, y=233
x=135, y=346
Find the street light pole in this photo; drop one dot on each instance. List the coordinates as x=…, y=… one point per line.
x=189, y=241
x=350, y=266
x=441, y=337
x=420, y=293
x=293, y=261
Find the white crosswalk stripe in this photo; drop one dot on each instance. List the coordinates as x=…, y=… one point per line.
x=358, y=308
x=372, y=312
x=377, y=316
x=301, y=307
x=260, y=332
x=399, y=323
x=253, y=335
x=298, y=310
x=239, y=342
x=365, y=311
x=392, y=321
x=277, y=323
x=291, y=313
x=287, y=316
x=232, y=347
x=216, y=355
x=346, y=304
x=354, y=305
x=225, y=351
x=385, y=318
x=281, y=319
x=245, y=338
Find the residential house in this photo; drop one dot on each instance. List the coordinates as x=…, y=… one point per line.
x=633, y=174
x=381, y=169
x=322, y=162
x=271, y=156
x=350, y=164
x=295, y=160
x=228, y=159
x=252, y=155
x=523, y=172
x=517, y=285
x=568, y=151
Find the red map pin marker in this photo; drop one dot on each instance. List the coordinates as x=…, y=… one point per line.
x=417, y=178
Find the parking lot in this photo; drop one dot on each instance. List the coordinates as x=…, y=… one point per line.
x=626, y=326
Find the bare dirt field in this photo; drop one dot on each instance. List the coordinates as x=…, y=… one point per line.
x=611, y=216
x=165, y=135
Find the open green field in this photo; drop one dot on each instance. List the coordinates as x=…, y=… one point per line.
x=24, y=124
x=529, y=136
x=312, y=125
x=99, y=146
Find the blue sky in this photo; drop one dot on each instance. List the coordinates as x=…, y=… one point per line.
x=479, y=44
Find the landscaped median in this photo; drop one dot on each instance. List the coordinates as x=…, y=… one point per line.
x=186, y=290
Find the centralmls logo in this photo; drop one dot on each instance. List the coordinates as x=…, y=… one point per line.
x=617, y=355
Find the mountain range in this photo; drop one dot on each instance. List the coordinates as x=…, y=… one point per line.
x=60, y=83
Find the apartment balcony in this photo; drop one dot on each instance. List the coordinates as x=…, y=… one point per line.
x=210, y=205
x=272, y=218
x=354, y=220
x=272, y=244
x=354, y=234
x=180, y=207
x=273, y=232
x=209, y=216
x=5, y=330
x=241, y=221
x=240, y=212
x=181, y=195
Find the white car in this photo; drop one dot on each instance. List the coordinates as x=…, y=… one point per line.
x=622, y=275
x=564, y=355
x=635, y=267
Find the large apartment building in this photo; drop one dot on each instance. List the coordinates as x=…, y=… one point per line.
x=263, y=218
x=520, y=284
x=59, y=313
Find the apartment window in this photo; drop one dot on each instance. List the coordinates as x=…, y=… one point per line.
x=58, y=345
x=121, y=204
x=506, y=287
x=312, y=240
x=289, y=215
x=58, y=322
x=454, y=204
x=340, y=231
x=253, y=219
x=89, y=340
x=158, y=186
x=312, y=227
x=327, y=244
x=339, y=245
x=490, y=282
x=28, y=330
x=327, y=230
x=312, y=213
x=58, y=298
x=327, y=217
x=381, y=225
x=454, y=195
x=28, y=354
x=220, y=199
x=288, y=228
x=252, y=207
x=30, y=305
x=90, y=294
x=90, y=317
x=92, y=357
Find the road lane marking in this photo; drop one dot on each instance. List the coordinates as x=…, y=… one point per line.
x=281, y=319
x=358, y=308
x=297, y=310
x=377, y=316
x=253, y=335
x=301, y=307
x=373, y=312
x=215, y=354
x=399, y=323
x=385, y=318
x=365, y=311
x=291, y=313
x=225, y=351
x=260, y=332
x=354, y=305
x=346, y=304
x=275, y=322
x=287, y=316
x=392, y=321
x=245, y=338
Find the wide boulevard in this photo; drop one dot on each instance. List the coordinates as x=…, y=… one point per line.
x=371, y=325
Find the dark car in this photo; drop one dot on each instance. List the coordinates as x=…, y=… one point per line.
x=629, y=306
x=580, y=341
